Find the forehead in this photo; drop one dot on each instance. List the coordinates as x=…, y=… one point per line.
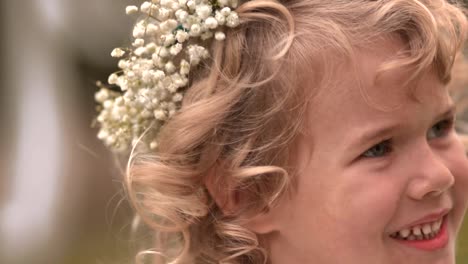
x=356, y=92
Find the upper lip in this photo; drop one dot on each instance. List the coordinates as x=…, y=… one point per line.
x=431, y=217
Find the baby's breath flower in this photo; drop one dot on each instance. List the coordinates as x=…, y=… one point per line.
x=176, y=49
x=152, y=29
x=138, y=42
x=195, y=30
x=129, y=10
x=113, y=78
x=220, y=18
x=181, y=36
x=211, y=23
x=155, y=69
x=191, y=4
x=225, y=11
x=117, y=53
x=203, y=11
x=181, y=15
x=232, y=20
x=164, y=13
x=170, y=67
x=160, y=115
x=146, y=7
x=220, y=35
x=184, y=67
x=139, y=31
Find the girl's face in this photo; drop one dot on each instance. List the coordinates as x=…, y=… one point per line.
x=373, y=181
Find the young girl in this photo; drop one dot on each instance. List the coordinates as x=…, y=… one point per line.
x=292, y=132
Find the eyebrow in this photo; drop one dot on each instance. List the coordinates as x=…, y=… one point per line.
x=383, y=131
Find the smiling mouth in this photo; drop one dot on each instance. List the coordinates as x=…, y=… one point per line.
x=429, y=236
x=425, y=231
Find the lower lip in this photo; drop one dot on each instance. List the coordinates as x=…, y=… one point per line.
x=438, y=242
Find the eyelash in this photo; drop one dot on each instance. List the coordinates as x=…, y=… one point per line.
x=386, y=145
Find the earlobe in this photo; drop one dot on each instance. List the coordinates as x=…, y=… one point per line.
x=262, y=224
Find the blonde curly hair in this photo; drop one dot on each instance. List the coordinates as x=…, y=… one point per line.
x=246, y=106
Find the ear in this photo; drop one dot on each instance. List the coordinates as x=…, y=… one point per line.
x=229, y=198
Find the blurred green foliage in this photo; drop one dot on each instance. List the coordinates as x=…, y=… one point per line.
x=463, y=245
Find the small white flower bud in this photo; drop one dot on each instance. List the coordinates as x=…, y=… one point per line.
x=211, y=23
x=122, y=64
x=158, y=75
x=184, y=67
x=176, y=49
x=195, y=30
x=130, y=75
x=146, y=7
x=152, y=29
x=153, y=144
x=113, y=78
x=168, y=26
x=232, y=20
x=138, y=31
x=181, y=36
x=164, y=13
x=203, y=11
x=140, y=51
x=129, y=10
x=220, y=18
x=117, y=53
x=191, y=4
x=220, y=36
x=170, y=67
x=101, y=96
x=160, y=115
x=147, y=76
x=102, y=134
x=163, y=52
x=225, y=11
x=177, y=97
x=138, y=42
x=110, y=140
x=151, y=47
x=181, y=15
x=108, y=104
x=182, y=3
x=169, y=39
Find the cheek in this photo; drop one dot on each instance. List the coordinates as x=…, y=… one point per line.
x=371, y=201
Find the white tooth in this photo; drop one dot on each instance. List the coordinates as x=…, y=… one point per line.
x=417, y=230
x=435, y=227
x=427, y=229
x=404, y=233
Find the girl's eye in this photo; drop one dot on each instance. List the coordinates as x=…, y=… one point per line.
x=379, y=150
x=440, y=129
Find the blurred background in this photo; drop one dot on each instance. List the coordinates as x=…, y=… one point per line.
x=61, y=199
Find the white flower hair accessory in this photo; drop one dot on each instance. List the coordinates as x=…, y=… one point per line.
x=168, y=41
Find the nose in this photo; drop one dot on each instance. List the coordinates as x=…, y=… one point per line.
x=431, y=176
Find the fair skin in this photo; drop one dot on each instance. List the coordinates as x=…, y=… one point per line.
x=353, y=194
